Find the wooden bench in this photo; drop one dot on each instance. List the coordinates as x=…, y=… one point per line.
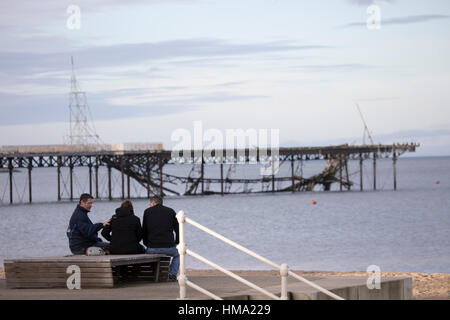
x=95, y=271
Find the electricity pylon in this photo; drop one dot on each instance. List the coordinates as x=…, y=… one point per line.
x=81, y=131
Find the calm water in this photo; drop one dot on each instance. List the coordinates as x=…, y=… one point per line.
x=406, y=230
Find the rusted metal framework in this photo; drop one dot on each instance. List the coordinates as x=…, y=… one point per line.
x=146, y=167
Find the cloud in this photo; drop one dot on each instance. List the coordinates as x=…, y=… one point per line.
x=120, y=77
x=35, y=11
x=366, y=3
x=125, y=54
x=149, y=100
x=332, y=67
x=230, y=84
x=25, y=25
x=126, y=103
x=414, y=134
x=27, y=109
x=402, y=20
x=377, y=99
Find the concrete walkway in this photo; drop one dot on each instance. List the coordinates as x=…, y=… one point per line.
x=353, y=288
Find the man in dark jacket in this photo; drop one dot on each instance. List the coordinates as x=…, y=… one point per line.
x=126, y=231
x=82, y=233
x=159, y=224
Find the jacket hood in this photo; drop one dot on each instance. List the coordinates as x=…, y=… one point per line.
x=123, y=212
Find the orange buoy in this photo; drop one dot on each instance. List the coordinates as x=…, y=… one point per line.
x=312, y=202
x=437, y=182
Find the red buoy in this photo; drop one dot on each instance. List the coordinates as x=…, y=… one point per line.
x=312, y=202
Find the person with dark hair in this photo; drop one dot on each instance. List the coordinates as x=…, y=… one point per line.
x=126, y=231
x=158, y=226
x=82, y=233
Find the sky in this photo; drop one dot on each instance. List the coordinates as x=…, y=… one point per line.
x=149, y=68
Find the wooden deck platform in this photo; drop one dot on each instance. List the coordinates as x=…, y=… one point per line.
x=95, y=271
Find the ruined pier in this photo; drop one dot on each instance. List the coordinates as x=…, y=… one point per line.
x=146, y=167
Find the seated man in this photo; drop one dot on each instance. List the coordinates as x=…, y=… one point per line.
x=82, y=233
x=158, y=226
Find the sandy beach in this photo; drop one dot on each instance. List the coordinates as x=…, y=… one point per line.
x=426, y=286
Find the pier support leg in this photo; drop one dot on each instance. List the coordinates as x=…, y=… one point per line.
x=273, y=183
x=374, y=171
x=122, y=176
x=148, y=178
x=340, y=173
x=58, y=173
x=395, y=170
x=221, y=178
x=292, y=175
x=273, y=173
x=203, y=174
x=360, y=172
x=30, y=166
x=109, y=183
x=128, y=186
x=10, y=167
x=161, y=192
x=71, y=179
x=96, y=179
x=346, y=173
x=90, y=177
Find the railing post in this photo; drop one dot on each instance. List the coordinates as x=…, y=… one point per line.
x=182, y=279
x=284, y=275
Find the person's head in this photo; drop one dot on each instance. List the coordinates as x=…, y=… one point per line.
x=155, y=200
x=127, y=204
x=86, y=201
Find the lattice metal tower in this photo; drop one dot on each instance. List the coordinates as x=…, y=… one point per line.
x=81, y=131
x=366, y=129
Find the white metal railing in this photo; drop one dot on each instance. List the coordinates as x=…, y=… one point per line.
x=182, y=279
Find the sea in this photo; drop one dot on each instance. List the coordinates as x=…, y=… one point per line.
x=407, y=230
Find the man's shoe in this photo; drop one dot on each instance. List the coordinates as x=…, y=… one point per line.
x=171, y=278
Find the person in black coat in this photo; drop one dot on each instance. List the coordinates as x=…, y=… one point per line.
x=124, y=231
x=159, y=225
